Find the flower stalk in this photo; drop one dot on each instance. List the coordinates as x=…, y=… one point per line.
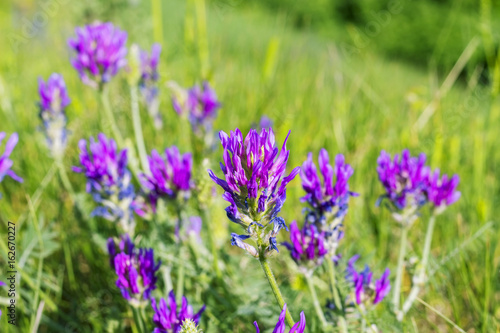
x=317, y=305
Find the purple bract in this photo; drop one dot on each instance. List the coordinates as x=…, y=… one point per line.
x=299, y=327
x=168, y=319
x=100, y=52
x=442, y=191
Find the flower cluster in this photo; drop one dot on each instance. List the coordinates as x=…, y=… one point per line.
x=307, y=246
x=100, y=52
x=136, y=273
x=148, y=83
x=169, y=177
x=410, y=184
x=327, y=200
x=200, y=104
x=255, y=186
x=367, y=291
x=168, y=319
x=299, y=327
x=108, y=180
x=53, y=101
x=5, y=162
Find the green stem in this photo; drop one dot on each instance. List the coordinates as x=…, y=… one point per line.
x=336, y=296
x=400, y=269
x=136, y=120
x=422, y=272
x=316, y=303
x=111, y=118
x=138, y=320
x=276, y=290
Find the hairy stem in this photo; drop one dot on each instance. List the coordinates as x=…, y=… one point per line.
x=136, y=120
x=317, y=305
x=400, y=269
x=336, y=296
x=111, y=118
x=276, y=290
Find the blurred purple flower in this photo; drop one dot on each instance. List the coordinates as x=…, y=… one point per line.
x=170, y=176
x=365, y=290
x=166, y=317
x=404, y=178
x=299, y=327
x=307, y=246
x=53, y=101
x=100, y=52
x=136, y=275
x=200, y=104
x=442, y=192
x=326, y=198
x=126, y=246
x=255, y=182
x=148, y=83
x=5, y=162
x=108, y=180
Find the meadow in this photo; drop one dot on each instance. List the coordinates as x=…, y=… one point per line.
x=332, y=89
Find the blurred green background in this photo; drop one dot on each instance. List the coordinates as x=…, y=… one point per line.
x=353, y=76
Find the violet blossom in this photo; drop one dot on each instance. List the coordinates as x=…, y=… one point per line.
x=5, y=162
x=299, y=327
x=148, y=83
x=168, y=319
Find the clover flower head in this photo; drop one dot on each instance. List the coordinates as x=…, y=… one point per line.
x=299, y=327
x=148, y=83
x=404, y=179
x=170, y=177
x=255, y=183
x=5, y=162
x=307, y=246
x=136, y=273
x=442, y=191
x=168, y=319
x=108, y=180
x=100, y=52
x=53, y=101
x=366, y=291
x=199, y=104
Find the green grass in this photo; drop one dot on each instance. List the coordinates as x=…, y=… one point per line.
x=259, y=65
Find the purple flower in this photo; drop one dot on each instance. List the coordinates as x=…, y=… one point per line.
x=170, y=176
x=365, y=290
x=200, y=104
x=148, y=83
x=326, y=198
x=53, y=101
x=136, y=274
x=5, y=162
x=404, y=178
x=299, y=327
x=307, y=246
x=168, y=319
x=100, y=52
x=442, y=192
x=108, y=180
x=254, y=182
x=126, y=246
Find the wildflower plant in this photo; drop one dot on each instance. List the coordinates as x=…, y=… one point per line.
x=299, y=327
x=53, y=101
x=254, y=185
x=169, y=317
x=108, y=180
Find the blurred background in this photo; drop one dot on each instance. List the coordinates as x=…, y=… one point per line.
x=352, y=76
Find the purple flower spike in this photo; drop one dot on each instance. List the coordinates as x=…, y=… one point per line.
x=255, y=182
x=299, y=327
x=53, y=101
x=170, y=176
x=200, y=104
x=367, y=292
x=100, y=52
x=136, y=275
x=168, y=319
x=108, y=180
x=5, y=162
x=403, y=178
x=149, y=82
x=307, y=246
x=442, y=192
x=326, y=198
